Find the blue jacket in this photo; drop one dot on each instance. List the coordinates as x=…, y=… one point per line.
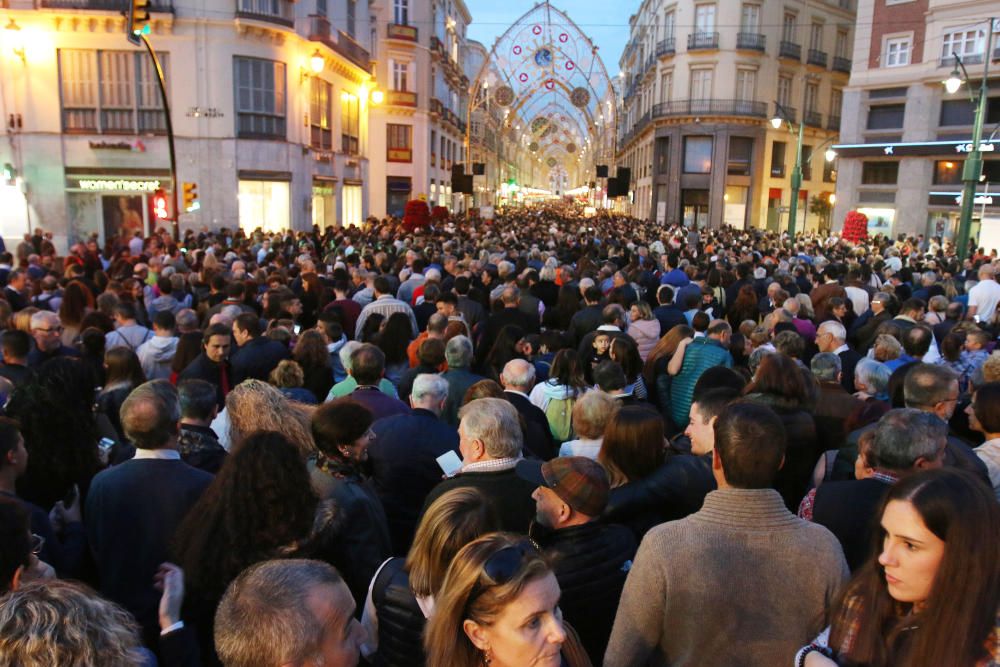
x=701, y=354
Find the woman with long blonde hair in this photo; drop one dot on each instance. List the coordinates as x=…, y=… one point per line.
x=492, y=585
x=254, y=405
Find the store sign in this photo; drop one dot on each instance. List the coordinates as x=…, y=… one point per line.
x=131, y=146
x=968, y=148
x=981, y=200
x=118, y=185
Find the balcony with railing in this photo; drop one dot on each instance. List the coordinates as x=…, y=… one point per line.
x=817, y=57
x=401, y=98
x=272, y=11
x=813, y=118
x=407, y=33
x=339, y=41
x=968, y=59
x=750, y=41
x=790, y=50
x=703, y=40
x=841, y=64
x=165, y=6
x=710, y=107
x=785, y=112
x=833, y=123
x=666, y=47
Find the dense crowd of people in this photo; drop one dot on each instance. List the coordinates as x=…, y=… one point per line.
x=548, y=440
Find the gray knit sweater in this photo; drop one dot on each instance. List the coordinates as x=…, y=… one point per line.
x=742, y=582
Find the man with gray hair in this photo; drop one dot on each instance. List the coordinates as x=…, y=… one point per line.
x=831, y=336
x=835, y=403
x=134, y=508
x=288, y=612
x=458, y=355
x=518, y=379
x=490, y=443
x=865, y=328
x=904, y=441
x=404, y=455
x=46, y=330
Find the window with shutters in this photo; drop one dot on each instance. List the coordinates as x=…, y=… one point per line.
x=400, y=72
x=701, y=84
x=321, y=114
x=840, y=46
x=784, y=90
x=669, y=24
x=110, y=92
x=666, y=83
x=816, y=36
x=750, y=18
x=704, y=19
x=260, y=98
x=746, y=84
x=399, y=143
x=789, y=28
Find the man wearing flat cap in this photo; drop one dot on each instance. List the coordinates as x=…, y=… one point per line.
x=590, y=559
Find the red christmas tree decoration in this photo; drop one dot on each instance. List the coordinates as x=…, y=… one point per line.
x=855, y=227
x=415, y=214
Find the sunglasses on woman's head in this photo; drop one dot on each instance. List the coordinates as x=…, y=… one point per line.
x=501, y=567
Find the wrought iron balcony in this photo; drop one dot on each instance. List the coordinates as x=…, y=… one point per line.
x=406, y=33
x=750, y=41
x=710, y=107
x=817, y=57
x=786, y=112
x=833, y=123
x=165, y=6
x=666, y=47
x=790, y=50
x=813, y=118
x=703, y=40
x=272, y=11
x=841, y=64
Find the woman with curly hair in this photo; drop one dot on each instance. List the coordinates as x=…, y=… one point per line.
x=56, y=622
x=59, y=429
x=254, y=405
x=260, y=506
x=312, y=355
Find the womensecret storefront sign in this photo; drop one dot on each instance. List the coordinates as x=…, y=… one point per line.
x=91, y=184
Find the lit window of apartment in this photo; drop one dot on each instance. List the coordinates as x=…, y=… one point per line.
x=321, y=114
x=896, y=52
x=110, y=92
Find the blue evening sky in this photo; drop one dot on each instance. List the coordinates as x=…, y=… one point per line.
x=606, y=23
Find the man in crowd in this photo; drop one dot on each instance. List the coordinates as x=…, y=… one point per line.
x=134, y=508
x=832, y=337
x=256, y=355
x=490, y=442
x=15, y=345
x=590, y=558
x=198, y=444
x=212, y=365
x=518, y=379
x=458, y=355
x=156, y=355
x=667, y=615
x=46, y=329
x=404, y=456
x=385, y=304
x=367, y=369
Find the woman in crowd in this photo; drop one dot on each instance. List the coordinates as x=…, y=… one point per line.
x=122, y=374
x=77, y=301
x=565, y=383
x=342, y=432
x=288, y=377
x=260, y=506
x=188, y=349
x=311, y=354
x=745, y=307
x=643, y=328
x=930, y=596
x=504, y=349
x=984, y=417
x=393, y=339
x=254, y=405
x=56, y=415
x=403, y=593
x=591, y=414
x=654, y=371
x=780, y=384
x=625, y=353
x=491, y=587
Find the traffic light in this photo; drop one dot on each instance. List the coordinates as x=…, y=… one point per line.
x=160, y=210
x=138, y=20
x=191, y=202
x=9, y=174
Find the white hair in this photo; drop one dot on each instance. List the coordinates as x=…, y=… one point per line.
x=835, y=329
x=494, y=421
x=518, y=373
x=429, y=385
x=346, y=351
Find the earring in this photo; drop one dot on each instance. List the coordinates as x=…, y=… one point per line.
x=487, y=656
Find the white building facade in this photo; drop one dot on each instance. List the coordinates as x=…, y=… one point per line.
x=269, y=102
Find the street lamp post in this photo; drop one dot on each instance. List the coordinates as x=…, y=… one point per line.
x=781, y=114
x=972, y=169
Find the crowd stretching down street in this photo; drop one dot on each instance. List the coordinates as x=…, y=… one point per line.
x=546, y=440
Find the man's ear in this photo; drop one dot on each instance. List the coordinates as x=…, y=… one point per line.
x=476, y=634
x=716, y=461
x=15, y=582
